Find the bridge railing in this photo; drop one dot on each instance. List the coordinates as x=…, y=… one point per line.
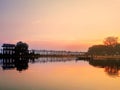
x=53, y=52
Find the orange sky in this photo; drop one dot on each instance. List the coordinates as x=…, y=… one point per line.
x=59, y=24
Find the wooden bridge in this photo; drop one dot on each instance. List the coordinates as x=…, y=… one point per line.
x=48, y=53
x=56, y=53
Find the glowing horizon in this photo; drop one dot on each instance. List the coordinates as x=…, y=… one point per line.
x=59, y=24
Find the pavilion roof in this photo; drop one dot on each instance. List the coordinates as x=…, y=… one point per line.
x=8, y=45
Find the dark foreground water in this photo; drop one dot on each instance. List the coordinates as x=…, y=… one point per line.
x=59, y=74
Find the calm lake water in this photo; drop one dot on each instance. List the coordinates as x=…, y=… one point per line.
x=59, y=74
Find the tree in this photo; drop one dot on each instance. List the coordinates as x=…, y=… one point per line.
x=117, y=49
x=21, y=48
x=98, y=50
x=111, y=41
x=110, y=47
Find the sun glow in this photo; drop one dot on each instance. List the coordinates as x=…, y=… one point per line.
x=64, y=24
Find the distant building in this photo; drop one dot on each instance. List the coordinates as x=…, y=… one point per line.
x=8, y=49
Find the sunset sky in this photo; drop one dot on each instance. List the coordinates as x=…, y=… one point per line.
x=59, y=24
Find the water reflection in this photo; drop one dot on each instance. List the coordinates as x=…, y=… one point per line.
x=21, y=64
x=58, y=74
x=14, y=63
x=111, y=67
x=51, y=59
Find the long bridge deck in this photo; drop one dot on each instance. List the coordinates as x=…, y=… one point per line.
x=49, y=53
x=55, y=53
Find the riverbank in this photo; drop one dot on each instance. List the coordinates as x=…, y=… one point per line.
x=110, y=57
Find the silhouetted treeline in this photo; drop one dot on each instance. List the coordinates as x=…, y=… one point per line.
x=104, y=50
x=110, y=47
x=21, y=48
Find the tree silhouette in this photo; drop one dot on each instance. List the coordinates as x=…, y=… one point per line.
x=21, y=48
x=111, y=41
x=110, y=47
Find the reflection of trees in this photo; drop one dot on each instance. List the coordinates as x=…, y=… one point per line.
x=112, y=70
x=21, y=64
x=18, y=63
x=112, y=67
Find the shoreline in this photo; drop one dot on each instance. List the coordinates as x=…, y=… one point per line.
x=108, y=57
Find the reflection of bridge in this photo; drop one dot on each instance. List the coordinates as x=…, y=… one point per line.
x=22, y=63
x=51, y=59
